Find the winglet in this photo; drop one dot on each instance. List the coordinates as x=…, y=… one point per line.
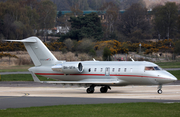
x=131, y=59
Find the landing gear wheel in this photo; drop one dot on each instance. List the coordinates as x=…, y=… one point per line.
x=103, y=89
x=159, y=91
x=90, y=89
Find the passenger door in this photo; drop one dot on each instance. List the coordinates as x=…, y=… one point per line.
x=107, y=71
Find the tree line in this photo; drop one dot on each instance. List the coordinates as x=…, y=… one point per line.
x=135, y=24
x=21, y=18
x=92, y=4
x=90, y=47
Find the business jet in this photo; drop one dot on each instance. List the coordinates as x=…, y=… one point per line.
x=93, y=73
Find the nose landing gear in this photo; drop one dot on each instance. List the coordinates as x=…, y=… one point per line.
x=159, y=89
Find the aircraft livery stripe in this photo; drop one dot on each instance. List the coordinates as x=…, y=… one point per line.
x=138, y=76
x=70, y=74
x=101, y=75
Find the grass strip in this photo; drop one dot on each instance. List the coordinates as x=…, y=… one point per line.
x=169, y=64
x=22, y=77
x=176, y=73
x=98, y=110
x=15, y=68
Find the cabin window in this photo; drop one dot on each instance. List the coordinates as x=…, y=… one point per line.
x=125, y=69
x=113, y=69
x=119, y=69
x=95, y=69
x=89, y=69
x=131, y=69
x=101, y=69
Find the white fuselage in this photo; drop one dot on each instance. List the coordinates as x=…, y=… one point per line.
x=92, y=73
x=124, y=72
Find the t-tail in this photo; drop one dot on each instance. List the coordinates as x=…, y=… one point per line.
x=38, y=52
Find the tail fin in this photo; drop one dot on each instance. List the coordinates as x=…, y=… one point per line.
x=38, y=52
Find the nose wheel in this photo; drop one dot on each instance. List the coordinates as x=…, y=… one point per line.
x=159, y=89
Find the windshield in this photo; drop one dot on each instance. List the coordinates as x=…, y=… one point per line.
x=152, y=68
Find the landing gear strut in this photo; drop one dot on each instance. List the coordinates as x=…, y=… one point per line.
x=159, y=89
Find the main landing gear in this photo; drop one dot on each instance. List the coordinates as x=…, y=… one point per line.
x=90, y=89
x=159, y=89
x=103, y=89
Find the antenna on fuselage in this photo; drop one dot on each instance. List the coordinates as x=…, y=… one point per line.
x=131, y=59
x=94, y=59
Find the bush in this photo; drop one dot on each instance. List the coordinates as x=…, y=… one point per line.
x=106, y=54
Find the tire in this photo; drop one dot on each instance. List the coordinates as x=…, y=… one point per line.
x=90, y=90
x=159, y=91
x=103, y=89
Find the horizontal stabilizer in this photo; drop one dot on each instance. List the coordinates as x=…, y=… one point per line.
x=24, y=40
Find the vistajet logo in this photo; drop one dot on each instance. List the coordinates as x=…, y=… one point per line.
x=49, y=59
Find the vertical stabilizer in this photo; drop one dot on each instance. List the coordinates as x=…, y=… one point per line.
x=38, y=52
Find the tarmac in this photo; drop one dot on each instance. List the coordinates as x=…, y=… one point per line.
x=30, y=94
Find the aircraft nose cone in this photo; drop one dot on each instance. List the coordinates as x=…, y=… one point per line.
x=168, y=77
x=174, y=78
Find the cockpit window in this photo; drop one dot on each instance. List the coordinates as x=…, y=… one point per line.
x=157, y=68
x=152, y=68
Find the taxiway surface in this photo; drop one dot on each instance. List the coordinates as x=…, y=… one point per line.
x=29, y=94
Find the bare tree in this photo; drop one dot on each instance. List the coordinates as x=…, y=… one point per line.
x=69, y=44
x=111, y=15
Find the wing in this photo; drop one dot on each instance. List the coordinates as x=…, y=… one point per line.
x=86, y=81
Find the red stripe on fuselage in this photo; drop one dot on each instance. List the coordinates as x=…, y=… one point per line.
x=137, y=76
x=69, y=74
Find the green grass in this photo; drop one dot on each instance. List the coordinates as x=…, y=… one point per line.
x=176, y=74
x=98, y=110
x=22, y=77
x=169, y=64
x=15, y=68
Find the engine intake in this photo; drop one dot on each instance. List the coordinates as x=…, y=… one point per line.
x=69, y=67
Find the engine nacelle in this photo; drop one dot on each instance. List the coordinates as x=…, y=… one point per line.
x=69, y=67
